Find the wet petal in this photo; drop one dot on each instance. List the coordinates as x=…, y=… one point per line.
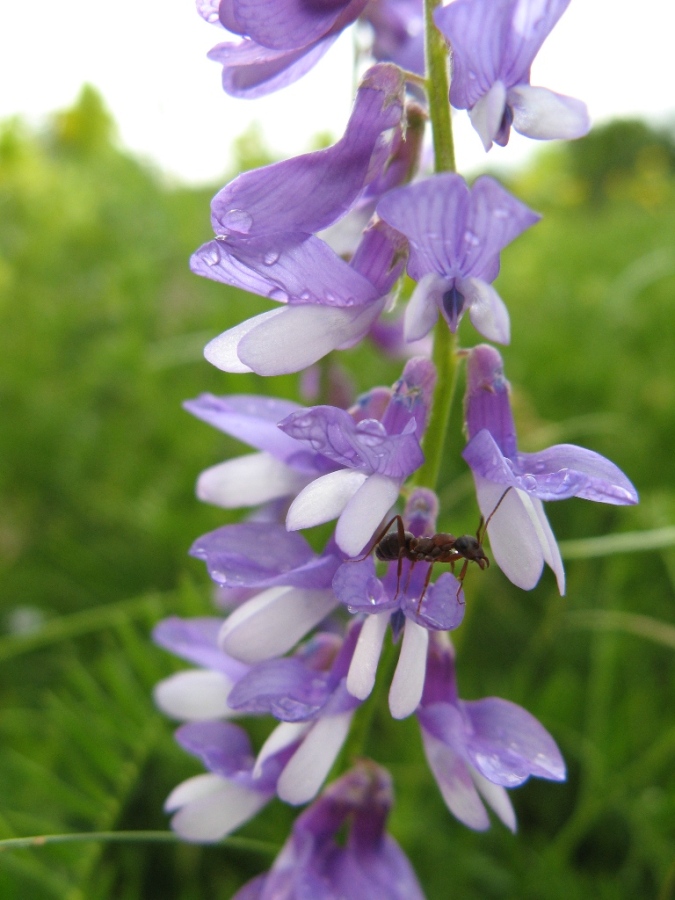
x=455, y=783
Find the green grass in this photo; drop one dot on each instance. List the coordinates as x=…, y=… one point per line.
x=101, y=332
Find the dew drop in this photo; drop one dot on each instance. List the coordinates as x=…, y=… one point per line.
x=237, y=220
x=471, y=238
x=329, y=298
x=306, y=297
x=271, y=257
x=211, y=256
x=529, y=482
x=500, y=213
x=278, y=295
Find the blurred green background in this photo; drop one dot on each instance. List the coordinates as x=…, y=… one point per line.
x=102, y=327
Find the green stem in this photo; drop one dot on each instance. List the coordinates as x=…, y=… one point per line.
x=126, y=837
x=445, y=343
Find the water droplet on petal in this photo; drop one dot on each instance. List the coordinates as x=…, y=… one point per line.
x=500, y=212
x=306, y=297
x=237, y=220
x=529, y=482
x=471, y=238
x=329, y=298
x=278, y=295
x=271, y=257
x=211, y=256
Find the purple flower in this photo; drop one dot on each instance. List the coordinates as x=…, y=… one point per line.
x=266, y=223
x=307, y=692
x=520, y=535
x=476, y=749
x=493, y=45
x=315, y=863
x=295, y=586
x=196, y=693
x=282, y=39
x=280, y=469
x=455, y=236
x=401, y=599
x=398, y=27
x=374, y=456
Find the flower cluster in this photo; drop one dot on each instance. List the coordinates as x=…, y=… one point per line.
x=329, y=237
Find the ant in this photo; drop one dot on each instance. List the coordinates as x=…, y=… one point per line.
x=437, y=548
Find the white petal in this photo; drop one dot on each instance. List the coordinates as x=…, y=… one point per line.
x=364, y=512
x=192, y=789
x=194, y=695
x=514, y=537
x=363, y=667
x=408, y=681
x=422, y=311
x=496, y=797
x=284, y=734
x=487, y=310
x=222, y=351
x=486, y=115
x=455, y=784
x=307, y=769
x=272, y=622
x=300, y=335
x=248, y=481
x=549, y=545
x=541, y=114
x=323, y=499
x=211, y=817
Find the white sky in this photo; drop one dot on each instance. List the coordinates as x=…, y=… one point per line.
x=148, y=60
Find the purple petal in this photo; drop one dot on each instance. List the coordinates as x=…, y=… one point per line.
x=442, y=607
x=364, y=445
x=494, y=40
x=507, y=744
x=290, y=24
x=566, y=470
x=358, y=588
x=309, y=192
x=411, y=398
x=455, y=783
x=260, y=554
x=196, y=640
x=487, y=403
x=223, y=748
x=253, y=420
x=250, y=70
x=283, y=688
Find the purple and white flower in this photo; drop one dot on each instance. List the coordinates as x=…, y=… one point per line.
x=315, y=863
x=374, y=456
x=493, y=45
x=294, y=582
x=404, y=601
x=280, y=469
x=281, y=41
x=398, y=27
x=520, y=535
x=477, y=749
x=266, y=223
x=456, y=234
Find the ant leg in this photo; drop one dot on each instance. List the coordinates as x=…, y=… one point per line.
x=487, y=521
x=399, y=570
x=460, y=579
x=424, y=589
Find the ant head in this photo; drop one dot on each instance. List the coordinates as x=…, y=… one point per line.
x=471, y=548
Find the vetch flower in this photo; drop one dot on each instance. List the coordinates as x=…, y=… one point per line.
x=374, y=455
x=266, y=223
x=493, y=45
x=280, y=469
x=281, y=40
x=211, y=805
x=202, y=693
x=405, y=601
x=398, y=27
x=477, y=749
x=315, y=863
x=456, y=234
x=295, y=585
x=520, y=535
